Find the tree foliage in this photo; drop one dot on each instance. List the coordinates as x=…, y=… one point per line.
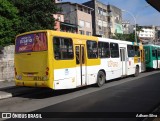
x=18, y=16
x=126, y=37
x=35, y=14
x=9, y=21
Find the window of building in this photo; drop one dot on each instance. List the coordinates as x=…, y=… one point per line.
x=117, y=18
x=103, y=50
x=92, y=51
x=89, y=11
x=81, y=32
x=81, y=23
x=131, y=51
x=59, y=18
x=80, y=8
x=63, y=48
x=100, y=22
x=88, y=25
x=114, y=48
x=100, y=27
x=100, y=10
x=88, y=33
x=104, y=24
x=104, y=12
x=86, y=10
x=101, y=32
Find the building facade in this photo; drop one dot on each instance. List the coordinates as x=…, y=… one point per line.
x=105, y=18
x=147, y=34
x=58, y=19
x=116, y=20
x=127, y=27
x=79, y=15
x=100, y=18
x=158, y=34
x=60, y=25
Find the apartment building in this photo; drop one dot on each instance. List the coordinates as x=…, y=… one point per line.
x=77, y=14
x=60, y=25
x=116, y=20
x=58, y=19
x=147, y=35
x=158, y=33
x=106, y=19
x=127, y=27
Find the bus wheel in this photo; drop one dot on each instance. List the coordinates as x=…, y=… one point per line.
x=136, y=71
x=101, y=78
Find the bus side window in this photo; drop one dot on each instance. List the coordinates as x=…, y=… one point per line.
x=131, y=52
x=103, y=50
x=158, y=52
x=92, y=49
x=114, y=50
x=56, y=48
x=154, y=53
x=63, y=48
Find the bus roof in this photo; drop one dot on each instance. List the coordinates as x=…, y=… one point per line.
x=79, y=36
x=59, y=33
x=152, y=45
x=119, y=41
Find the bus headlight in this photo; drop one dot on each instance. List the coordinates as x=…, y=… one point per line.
x=45, y=78
x=19, y=77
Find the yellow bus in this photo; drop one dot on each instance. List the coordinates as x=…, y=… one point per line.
x=60, y=60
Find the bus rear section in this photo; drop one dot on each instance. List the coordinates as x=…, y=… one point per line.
x=152, y=56
x=31, y=60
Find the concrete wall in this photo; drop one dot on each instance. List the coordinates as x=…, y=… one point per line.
x=7, y=63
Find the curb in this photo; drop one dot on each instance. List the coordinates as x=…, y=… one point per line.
x=15, y=91
x=4, y=95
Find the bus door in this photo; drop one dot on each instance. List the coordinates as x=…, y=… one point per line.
x=123, y=61
x=80, y=65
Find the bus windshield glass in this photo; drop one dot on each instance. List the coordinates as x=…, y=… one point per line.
x=34, y=42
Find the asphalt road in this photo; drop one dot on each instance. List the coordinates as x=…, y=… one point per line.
x=141, y=96
x=115, y=103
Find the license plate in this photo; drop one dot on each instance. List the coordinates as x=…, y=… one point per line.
x=29, y=75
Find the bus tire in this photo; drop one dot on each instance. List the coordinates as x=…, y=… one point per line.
x=136, y=71
x=101, y=78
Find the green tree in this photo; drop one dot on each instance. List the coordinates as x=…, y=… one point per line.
x=9, y=21
x=35, y=14
x=125, y=37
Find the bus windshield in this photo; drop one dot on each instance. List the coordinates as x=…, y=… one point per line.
x=34, y=42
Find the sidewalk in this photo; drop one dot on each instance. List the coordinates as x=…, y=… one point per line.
x=6, y=84
x=8, y=89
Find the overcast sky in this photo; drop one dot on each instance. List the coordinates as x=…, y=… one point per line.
x=143, y=12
